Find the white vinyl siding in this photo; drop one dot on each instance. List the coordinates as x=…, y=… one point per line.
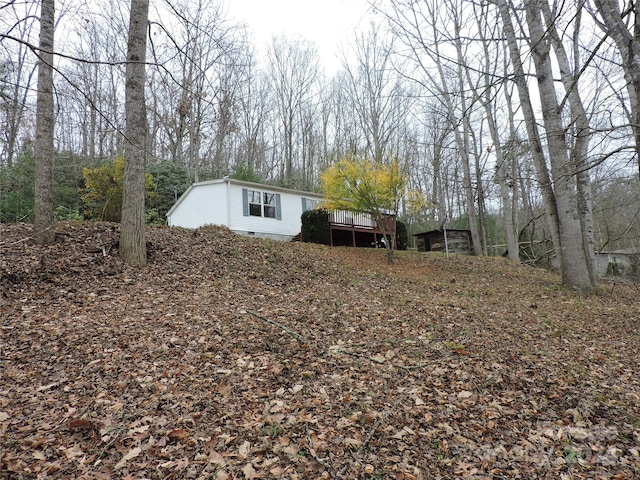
x=201, y=206
x=287, y=213
x=226, y=202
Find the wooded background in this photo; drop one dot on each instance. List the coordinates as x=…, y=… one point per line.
x=496, y=111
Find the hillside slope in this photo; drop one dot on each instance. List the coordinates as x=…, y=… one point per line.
x=231, y=357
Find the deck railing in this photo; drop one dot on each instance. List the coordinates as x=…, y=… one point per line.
x=352, y=219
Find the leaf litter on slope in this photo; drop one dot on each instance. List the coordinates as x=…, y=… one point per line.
x=233, y=357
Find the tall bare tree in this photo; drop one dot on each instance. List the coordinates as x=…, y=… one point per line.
x=429, y=30
x=580, y=128
x=16, y=74
x=201, y=62
x=293, y=69
x=625, y=32
x=133, y=248
x=375, y=92
x=573, y=256
x=533, y=131
x=45, y=120
x=486, y=94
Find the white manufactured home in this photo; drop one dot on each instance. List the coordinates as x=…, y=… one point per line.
x=247, y=208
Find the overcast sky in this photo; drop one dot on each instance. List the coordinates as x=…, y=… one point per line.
x=328, y=23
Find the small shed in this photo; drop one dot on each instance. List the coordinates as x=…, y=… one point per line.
x=458, y=241
x=623, y=263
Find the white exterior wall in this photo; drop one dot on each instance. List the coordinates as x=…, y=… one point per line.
x=202, y=204
x=604, y=260
x=220, y=202
x=284, y=229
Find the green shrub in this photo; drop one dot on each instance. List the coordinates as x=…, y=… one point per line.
x=402, y=237
x=171, y=181
x=315, y=226
x=62, y=213
x=17, y=189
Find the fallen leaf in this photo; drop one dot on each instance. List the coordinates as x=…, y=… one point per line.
x=578, y=433
x=290, y=449
x=178, y=435
x=243, y=451
x=276, y=471
x=39, y=455
x=133, y=453
x=352, y=442
x=73, y=452
x=249, y=472
x=405, y=476
x=136, y=430
x=217, y=459
x=80, y=424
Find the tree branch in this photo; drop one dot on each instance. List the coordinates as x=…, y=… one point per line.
x=295, y=335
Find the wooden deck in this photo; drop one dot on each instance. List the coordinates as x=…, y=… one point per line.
x=355, y=229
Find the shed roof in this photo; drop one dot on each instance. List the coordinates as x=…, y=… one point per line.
x=433, y=232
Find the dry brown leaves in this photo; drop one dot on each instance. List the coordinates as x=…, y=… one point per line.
x=238, y=358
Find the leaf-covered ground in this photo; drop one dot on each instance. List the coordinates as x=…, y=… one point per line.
x=239, y=358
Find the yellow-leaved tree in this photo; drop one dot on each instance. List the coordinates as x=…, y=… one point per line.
x=102, y=194
x=364, y=186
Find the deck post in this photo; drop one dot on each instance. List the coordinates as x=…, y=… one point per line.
x=446, y=244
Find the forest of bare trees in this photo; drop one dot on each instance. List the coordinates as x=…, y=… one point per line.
x=518, y=120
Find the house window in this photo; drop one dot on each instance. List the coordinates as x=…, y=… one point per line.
x=270, y=205
x=261, y=204
x=309, y=204
x=255, y=205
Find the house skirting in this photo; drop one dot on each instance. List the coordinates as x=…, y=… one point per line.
x=272, y=236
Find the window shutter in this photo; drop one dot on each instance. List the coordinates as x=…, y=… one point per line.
x=278, y=207
x=245, y=202
x=304, y=204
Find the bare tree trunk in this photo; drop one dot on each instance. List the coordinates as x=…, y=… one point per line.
x=375, y=93
x=582, y=134
x=439, y=132
x=574, y=265
x=501, y=176
x=17, y=74
x=16, y=108
x=462, y=139
x=539, y=161
x=45, y=119
x=510, y=183
x=133, y=248
x=507, y=190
